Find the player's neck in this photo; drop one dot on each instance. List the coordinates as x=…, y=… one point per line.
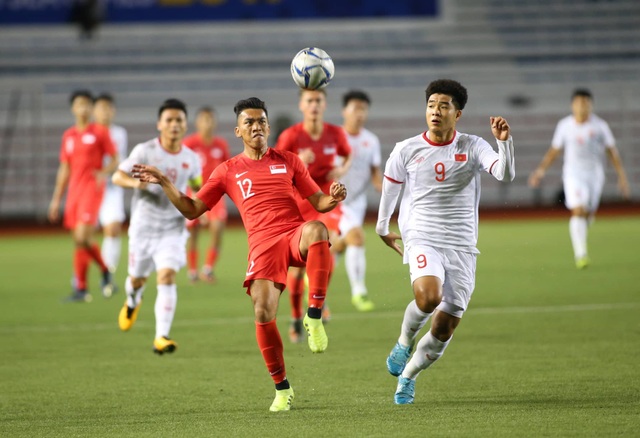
x=441, y=137
x=206, y=136
x=353, y=129
x=255, y=154
x=580, y=119
x=171, y=145
x=313, y=127
x=81, y=125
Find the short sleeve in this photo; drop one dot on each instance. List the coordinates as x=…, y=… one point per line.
x=395, y=168
x=137, y=156
x=343, y=149
x=558, y=142
x=376, y=159
x=302, y=180
x=214, y=187
x=609, y=139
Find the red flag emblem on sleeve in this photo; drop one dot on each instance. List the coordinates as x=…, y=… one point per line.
x=278, y=168
x=461, y=157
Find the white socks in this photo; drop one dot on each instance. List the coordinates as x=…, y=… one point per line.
x=414, y=319
x=111, y=252
x=578, y=231
x=356, y=266
x=165, y=308
x=133, y=296
x=428, y=350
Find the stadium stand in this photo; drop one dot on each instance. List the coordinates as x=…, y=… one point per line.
x=518, y=59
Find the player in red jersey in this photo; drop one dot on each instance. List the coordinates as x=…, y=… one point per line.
x=212, y=151
x=84, y=147
x=261, y=182
x=318, y=144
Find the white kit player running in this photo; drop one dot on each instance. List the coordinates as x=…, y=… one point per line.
x=585, y=137
x=157, y=232
x=440, y=171
x=364, y=171
x=112, y=213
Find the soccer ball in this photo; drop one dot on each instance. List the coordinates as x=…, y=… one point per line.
x=312, y=68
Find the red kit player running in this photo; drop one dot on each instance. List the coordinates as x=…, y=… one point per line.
x=84, y=147
x=318, y=144
x=212, y=151
x=261, y=182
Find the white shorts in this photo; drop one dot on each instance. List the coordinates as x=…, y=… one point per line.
x=456, y=269
x=353, y=214
x=148, y=254
x=583, y=192
x=112, y=208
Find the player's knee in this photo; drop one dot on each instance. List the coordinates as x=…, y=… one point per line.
x=443, y=326
x=428, y=296
x=315, y=231
x=263, y=312
x=166, y=276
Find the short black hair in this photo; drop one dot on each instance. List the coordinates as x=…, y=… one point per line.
x=107, y=97
x=582, y=92
x=172, y=104
x=80, y=93
x=250, y=103
x=451, y=88
x=206, y=109
x=355, y=95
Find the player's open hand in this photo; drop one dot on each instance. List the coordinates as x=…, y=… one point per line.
x=535, y=177
x=54, y=212
x=500, y=128
x=147, y=174
x=390, y=240
x=338, y=191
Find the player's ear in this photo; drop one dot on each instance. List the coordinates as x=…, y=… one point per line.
x=236, y=131
x=458, y=114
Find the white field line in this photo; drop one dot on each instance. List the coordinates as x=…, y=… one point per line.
x=24, y=329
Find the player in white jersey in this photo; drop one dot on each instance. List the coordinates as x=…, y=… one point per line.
x=157, y=232
x=364, y=171
x=585, y=138
x=112, y=214
x=440, y=171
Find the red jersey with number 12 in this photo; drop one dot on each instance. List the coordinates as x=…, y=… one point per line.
x=263, y=191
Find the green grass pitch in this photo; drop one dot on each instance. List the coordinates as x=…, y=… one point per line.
x=544, y=350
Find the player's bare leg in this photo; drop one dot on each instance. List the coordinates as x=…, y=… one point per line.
x=165, y=309
x=356, y=266
x=192, y=251
x=216, y=228
x=265, y=296
x=578, y=229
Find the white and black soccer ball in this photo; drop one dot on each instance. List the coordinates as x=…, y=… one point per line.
x=312, y=68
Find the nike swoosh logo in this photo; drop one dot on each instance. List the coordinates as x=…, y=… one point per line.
x=250, y=271
x=238, y=175
x=318, y=297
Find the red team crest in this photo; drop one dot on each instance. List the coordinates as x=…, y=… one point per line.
x=461, y=157
x=278, y=168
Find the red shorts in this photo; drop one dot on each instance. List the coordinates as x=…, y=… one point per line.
x=270, y=258
x=83, y=207
x=217, y=213
x=330, y=219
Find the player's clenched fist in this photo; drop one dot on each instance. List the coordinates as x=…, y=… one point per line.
x=338, y=191
x=500, y=128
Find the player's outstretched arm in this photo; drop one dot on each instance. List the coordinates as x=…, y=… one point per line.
x=390, y=194
x=537, y=175
x=504, y=169
x=190, y=208
x=62, y=179
x=323, y=202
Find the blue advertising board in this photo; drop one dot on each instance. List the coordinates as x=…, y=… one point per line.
x=60, y=11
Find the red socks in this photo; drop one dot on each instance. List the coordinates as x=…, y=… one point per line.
x=270, y=344
x=319, y=264
x=192, y=259
x=96, y=255
x=212, y=257
x=296, y=287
